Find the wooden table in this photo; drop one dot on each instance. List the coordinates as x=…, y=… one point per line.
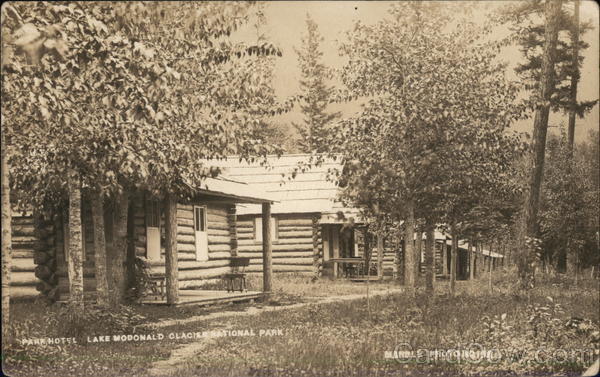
x=360, y=262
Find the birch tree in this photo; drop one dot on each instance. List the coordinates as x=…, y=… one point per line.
x=440, y=110
x=128, y=115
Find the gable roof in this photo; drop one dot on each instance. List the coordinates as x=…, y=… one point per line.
x=309, y=191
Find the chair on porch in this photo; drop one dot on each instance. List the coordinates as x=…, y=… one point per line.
x=237, y=274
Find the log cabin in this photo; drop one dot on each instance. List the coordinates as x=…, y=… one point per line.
x=306, y=220
x=205, y=243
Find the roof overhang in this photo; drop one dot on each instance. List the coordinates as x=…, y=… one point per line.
x=236, y=192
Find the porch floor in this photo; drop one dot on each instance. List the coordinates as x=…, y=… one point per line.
x=205, y=297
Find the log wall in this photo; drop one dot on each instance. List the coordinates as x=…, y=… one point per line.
x=221, y=245
x=293, y=251
x=32, y=255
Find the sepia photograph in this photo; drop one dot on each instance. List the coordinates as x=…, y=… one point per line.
x=300, y=188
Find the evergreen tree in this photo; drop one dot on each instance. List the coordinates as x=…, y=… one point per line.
x=315, y=92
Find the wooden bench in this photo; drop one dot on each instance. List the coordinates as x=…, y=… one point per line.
x=237, y=274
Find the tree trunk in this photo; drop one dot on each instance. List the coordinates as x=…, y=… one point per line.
x=430, y=257
x=418, y=254
x=6, y=244
x=540, y=128
x=471, y=260
x=380, y=252
x=118, y=281
x=75, y=259
x=574, y=78
x=569, y=260
x=453, y=259
x=409, y=234
x=100, y=249
x=172, y=270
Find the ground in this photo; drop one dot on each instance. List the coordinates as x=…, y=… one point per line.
x=322, y=328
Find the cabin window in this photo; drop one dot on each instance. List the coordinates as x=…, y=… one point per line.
x=200, y=233
x=258, y=231
x=153, y=230
x=200, y=219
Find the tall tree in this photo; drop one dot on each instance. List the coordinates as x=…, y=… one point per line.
x=433, y=134
x=316, y=93
x=128, y=115
x=540, y=127
x=574, y=74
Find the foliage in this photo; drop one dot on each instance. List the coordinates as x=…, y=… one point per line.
x=315, y=91
x=524, y=21
x=435, y=130
x=569, y=202
x=144, y=96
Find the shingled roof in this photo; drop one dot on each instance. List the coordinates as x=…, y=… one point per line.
x=308, y=191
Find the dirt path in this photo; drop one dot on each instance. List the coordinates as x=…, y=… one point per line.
x=187, y=351
x=253, y=310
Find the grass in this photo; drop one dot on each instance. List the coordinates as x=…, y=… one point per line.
x=348, y=338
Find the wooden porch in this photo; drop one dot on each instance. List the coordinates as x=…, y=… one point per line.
x=204, y=297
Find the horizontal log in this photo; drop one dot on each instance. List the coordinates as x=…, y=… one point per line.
x=217, y=211
x=204, y=273
x=295, y=228
x=219, y=225
x=217, y=232
x=24, y=239
x=218, y=239
x=23, y=230
x=23, y=278
x=20, y=220
x=23, y=291
x=185, y=222
x=296, y=222
x=295, y=234
x=186, y=247
x=276, y=247
x=23, y=265
x=185, y=265
x=281, y=254
x=219, y=254
x=219, y=247
x=185, y=207
x=258, y=268
x=17, y=254
x=185, y=214
x=22, y=246
x=184, y=230
x=216, y=219
x=285, y=261
x=280, y=241
x=182, y=238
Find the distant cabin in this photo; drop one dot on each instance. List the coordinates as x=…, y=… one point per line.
x=305, y=216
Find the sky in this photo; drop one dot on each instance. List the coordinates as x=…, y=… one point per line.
x=286, y=25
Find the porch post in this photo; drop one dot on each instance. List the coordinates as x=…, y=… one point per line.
x=267, y=249
x=171, y=268
x=380, y=255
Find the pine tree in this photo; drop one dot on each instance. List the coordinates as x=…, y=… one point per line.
x=315, y=92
